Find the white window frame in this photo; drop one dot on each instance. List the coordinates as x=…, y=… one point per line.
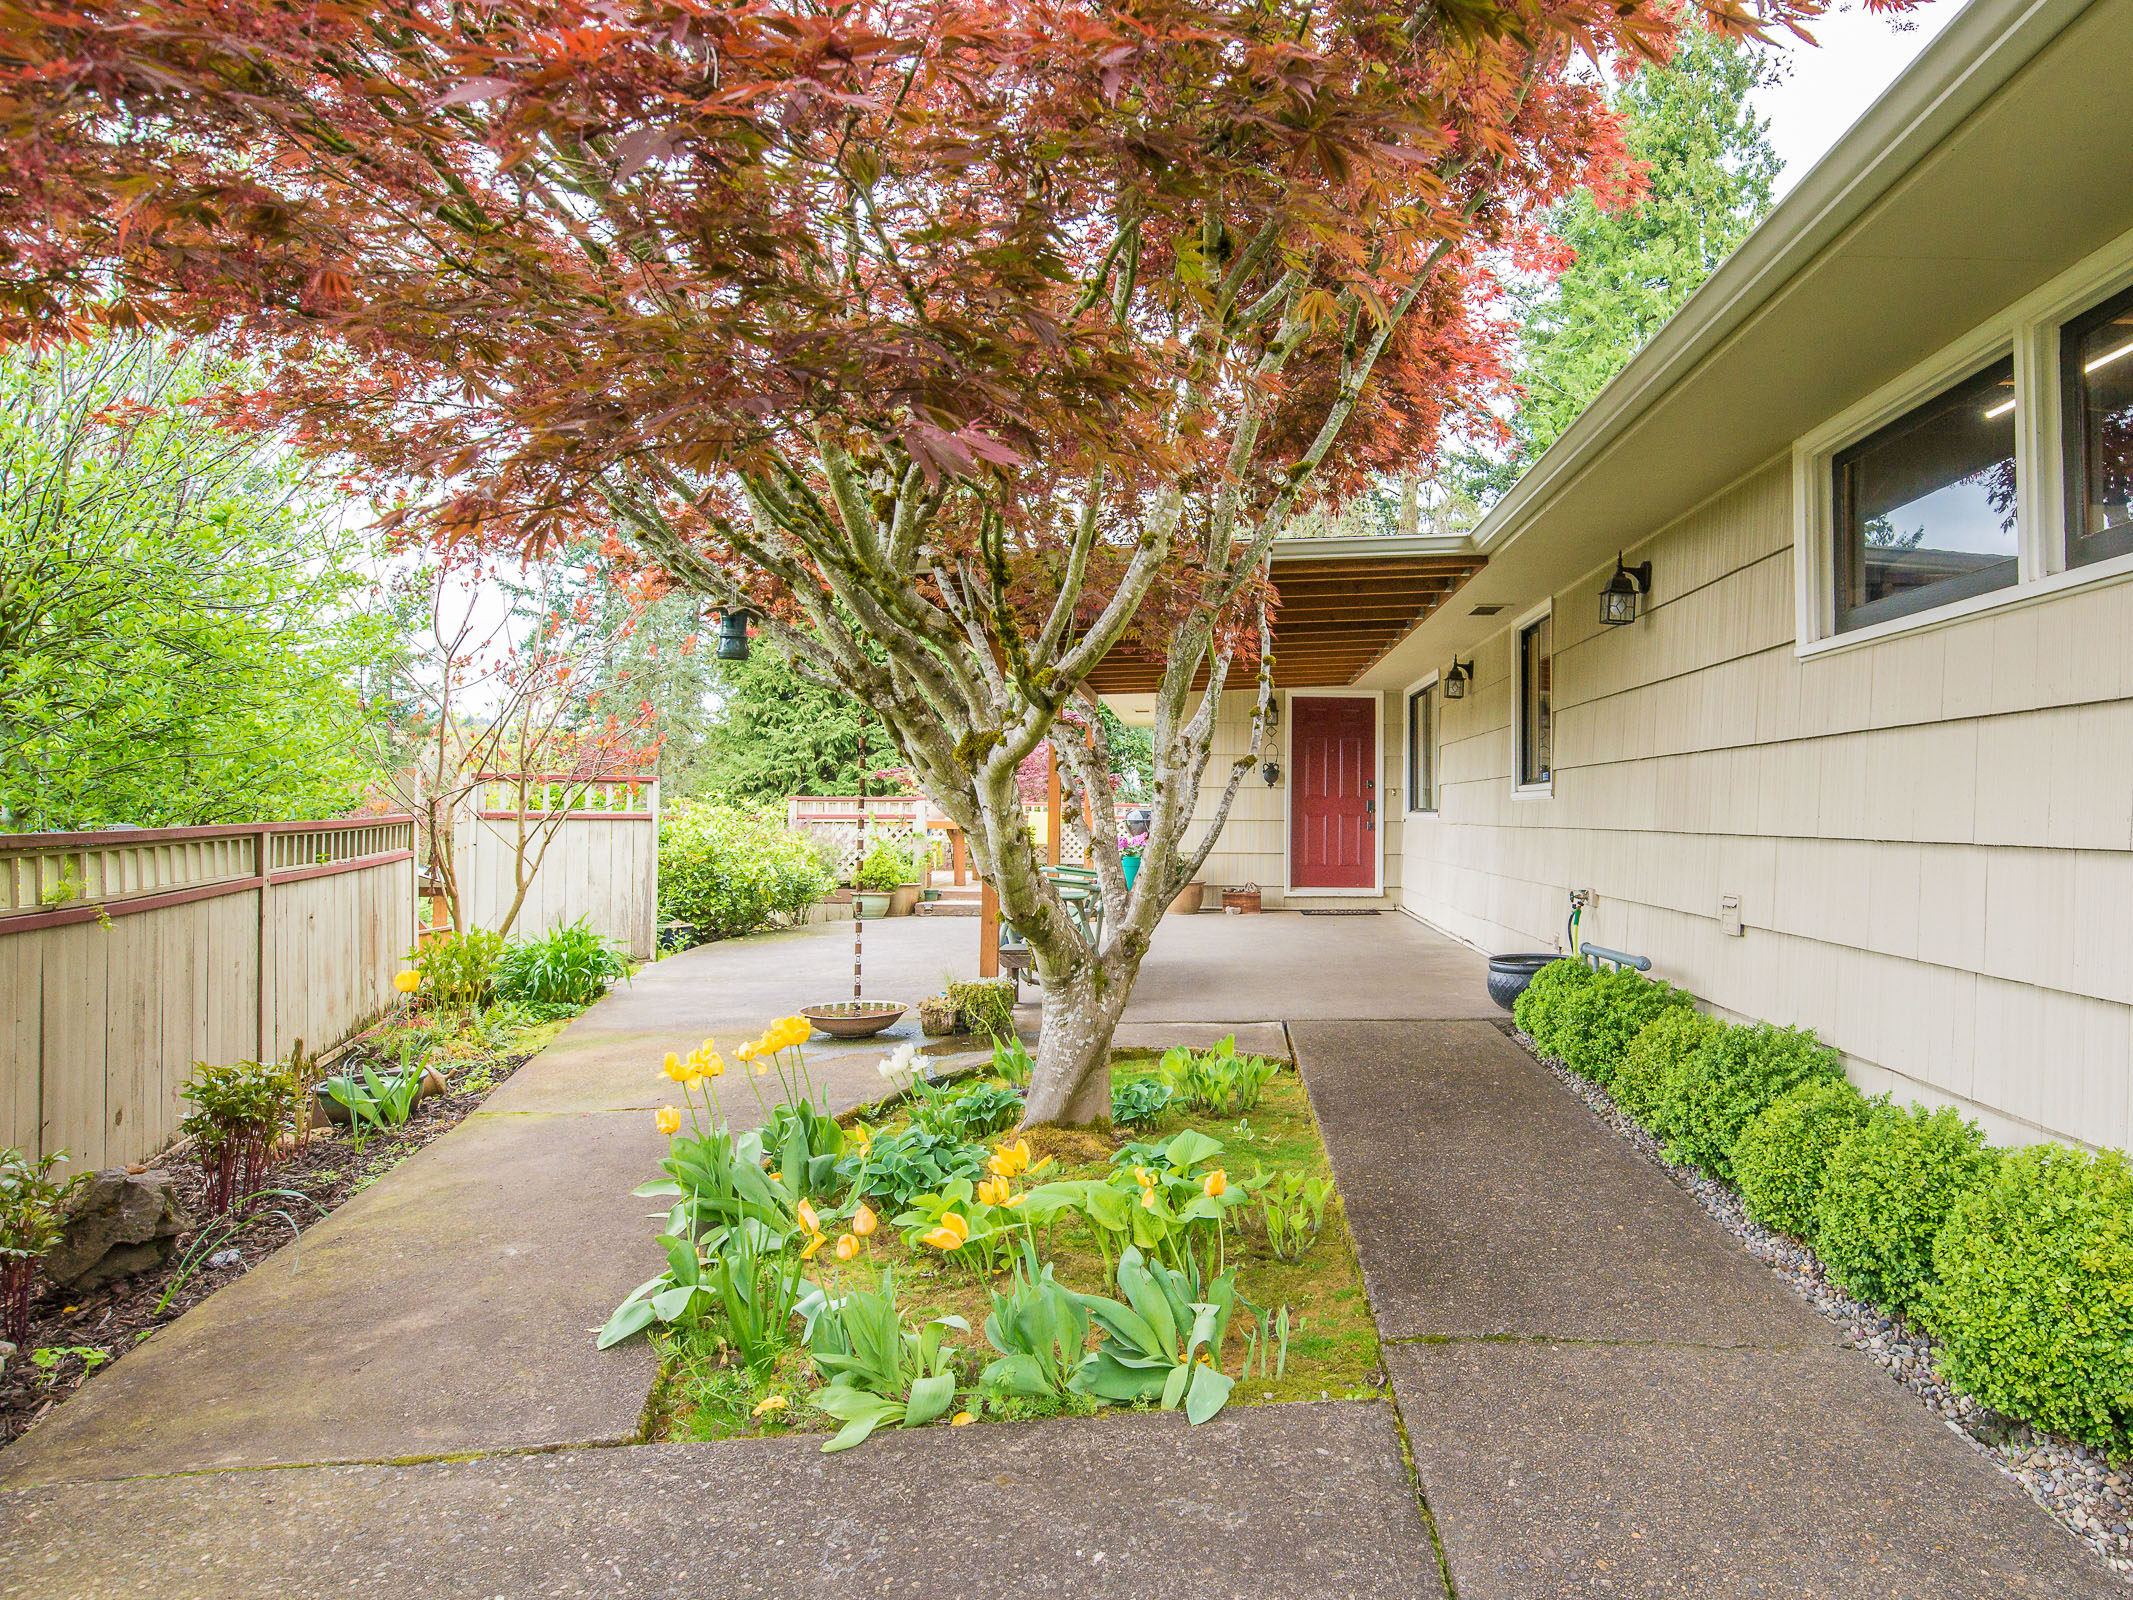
x=1288, y=789
x=1407, y=755
x=1529, y=791
x=2028, y=330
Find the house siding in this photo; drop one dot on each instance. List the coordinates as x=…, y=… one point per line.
x=1931, y=836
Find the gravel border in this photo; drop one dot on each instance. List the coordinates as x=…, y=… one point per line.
x=2071, y=1481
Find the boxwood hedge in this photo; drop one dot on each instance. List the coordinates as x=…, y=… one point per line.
x=1707, y=1097
x=1780, y=1157
x=1889, y=1186
x=2033, y=1292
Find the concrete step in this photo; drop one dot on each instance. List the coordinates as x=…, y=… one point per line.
x=946, y=908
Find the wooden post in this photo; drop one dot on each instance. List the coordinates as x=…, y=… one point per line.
x=989, y=931
x=1052, y=817
x=263, y=842
x=960, y=849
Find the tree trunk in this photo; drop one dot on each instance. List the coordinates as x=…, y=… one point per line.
x=1071, y=1083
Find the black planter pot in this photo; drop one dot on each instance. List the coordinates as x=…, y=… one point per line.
x=1509, y=975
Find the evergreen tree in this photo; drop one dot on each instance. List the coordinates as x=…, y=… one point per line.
x=774, y=734
x=1709, y=170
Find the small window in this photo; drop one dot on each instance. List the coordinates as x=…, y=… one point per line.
x=1925, y=508
x=1422, y=749
x=2096, y=361
x=1536, y=733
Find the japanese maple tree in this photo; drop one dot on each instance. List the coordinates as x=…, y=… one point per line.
x=961, y=343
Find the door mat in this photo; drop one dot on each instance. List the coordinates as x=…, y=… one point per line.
x=1369, y=913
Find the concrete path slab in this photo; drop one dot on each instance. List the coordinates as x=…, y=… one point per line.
x=1485, y=1202
x=1285, y=966
x=1561, y=1471
x=1294, y=1502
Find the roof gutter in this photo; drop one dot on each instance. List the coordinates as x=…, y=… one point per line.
x=1972, y=59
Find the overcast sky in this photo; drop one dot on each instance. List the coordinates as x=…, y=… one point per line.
x=1829, y=87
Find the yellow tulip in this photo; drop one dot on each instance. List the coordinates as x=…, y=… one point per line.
x=668, y=1120
x=1216, y=1185
x=1147, y=1178
x=861, y=1138
x=814, y=1244
x=776, y=1402
x=808, y=1219
x=864, y=1222
x=1010, y=1159
x=407, y=982
x=994, y=1191
x=1148, y=1199
x=676, y=1069
x=952, y=1234
x=961, y=1419
x=776, y=1176
x=847, y=1247
x=745, y=1051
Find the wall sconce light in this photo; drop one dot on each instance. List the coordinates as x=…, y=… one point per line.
x=1456, y=680
x=733, y=633
x=1619, y=600
x=1271, y=771
x=1273, y=711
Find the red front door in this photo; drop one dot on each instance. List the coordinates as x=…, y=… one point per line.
x=1333, y=792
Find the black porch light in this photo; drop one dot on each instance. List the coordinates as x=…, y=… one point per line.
x=1271, y=771
x=1619, y=600
x=1456, y=680
x=733, y=633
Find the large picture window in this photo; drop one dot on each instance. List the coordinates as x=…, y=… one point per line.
x=2096, y=361
x=1422, y=749
x=1536, y=731
x=1923, y=509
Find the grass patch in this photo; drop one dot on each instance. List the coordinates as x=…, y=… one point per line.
x=1333, y=1343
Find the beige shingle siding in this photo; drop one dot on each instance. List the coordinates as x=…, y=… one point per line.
x=1931, y=836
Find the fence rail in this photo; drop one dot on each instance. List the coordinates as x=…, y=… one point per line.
x=597, y=842
x=125, y=956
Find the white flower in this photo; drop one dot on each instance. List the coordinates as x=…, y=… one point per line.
x=898, y=1062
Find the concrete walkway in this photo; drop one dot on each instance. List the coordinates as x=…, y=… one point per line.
x=1604, y=1394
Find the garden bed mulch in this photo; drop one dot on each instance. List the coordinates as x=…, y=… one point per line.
x=74, y=1334
x=2077, y=1485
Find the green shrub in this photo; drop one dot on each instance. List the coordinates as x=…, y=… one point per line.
x=1780, y=1157
x=1675, y=1034
x=982, y=1109
x=730, y=870
x=458, y=969
x=1601, y=1019
x=568, y=966
x=886, y=866
x=987, y=1006
x=2034, y=1293
x=1886, y=1191
x=239, y=1109
x=32, y=1204
x=1706, y=1098
x=1543, y=1008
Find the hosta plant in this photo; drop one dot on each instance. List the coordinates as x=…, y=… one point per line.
x=904, y=1163
x=1154, y=1340
x=1137, y=1102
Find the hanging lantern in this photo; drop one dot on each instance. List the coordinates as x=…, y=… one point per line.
x=1456, y=680
x=733, y=633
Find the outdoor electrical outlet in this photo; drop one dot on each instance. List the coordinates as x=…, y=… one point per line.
x=1729, y=922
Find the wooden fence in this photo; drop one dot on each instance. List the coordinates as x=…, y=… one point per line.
x=126, y=956
x=602, y=863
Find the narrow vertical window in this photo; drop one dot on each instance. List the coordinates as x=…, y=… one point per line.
x=1925, y=507
x=2096, y=362
x=1422, y=749
x=1536, y=733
